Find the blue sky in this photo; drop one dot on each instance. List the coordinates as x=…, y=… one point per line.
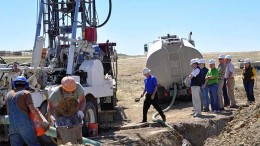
x=217, y=25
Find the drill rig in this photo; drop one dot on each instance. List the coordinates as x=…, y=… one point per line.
x=66, y=44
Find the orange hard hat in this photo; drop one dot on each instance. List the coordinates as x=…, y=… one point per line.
x=68, y=84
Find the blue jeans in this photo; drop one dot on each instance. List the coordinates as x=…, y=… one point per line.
x=20, y=127
x=249, y=88
x=213, y=93
x=23, y=134
x=226, y=99
x=205, y=97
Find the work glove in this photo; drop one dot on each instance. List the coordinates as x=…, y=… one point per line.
x=46, y=125
x=80, y=114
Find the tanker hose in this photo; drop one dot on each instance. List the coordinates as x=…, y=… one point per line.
x=165, y=110
x=53, y=133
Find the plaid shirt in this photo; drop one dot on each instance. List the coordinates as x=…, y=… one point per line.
x=221, y=70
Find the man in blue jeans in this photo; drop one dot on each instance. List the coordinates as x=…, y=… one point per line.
x=19, y=105
x=212, y=79
x=204, y=88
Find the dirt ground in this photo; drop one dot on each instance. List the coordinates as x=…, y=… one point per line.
x=243, y=130
x=195, y=130
x=131, y=86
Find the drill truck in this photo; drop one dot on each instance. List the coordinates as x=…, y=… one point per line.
x=66, y=44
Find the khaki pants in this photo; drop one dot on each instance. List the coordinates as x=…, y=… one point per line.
x=195, y=91
x=220, y=93
x=230, y=92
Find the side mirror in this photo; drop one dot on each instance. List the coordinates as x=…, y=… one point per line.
x=145, y=48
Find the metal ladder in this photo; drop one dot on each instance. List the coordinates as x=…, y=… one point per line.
x=172, y=65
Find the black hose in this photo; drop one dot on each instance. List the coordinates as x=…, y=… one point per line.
x=108, y=16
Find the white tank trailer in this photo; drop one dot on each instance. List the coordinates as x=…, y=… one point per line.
x=168, y=58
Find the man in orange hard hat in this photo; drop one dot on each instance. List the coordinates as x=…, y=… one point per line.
x=67, y=103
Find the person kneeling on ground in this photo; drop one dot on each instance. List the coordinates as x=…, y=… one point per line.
x=212, y=79
x=151, y=96
x=249, y=75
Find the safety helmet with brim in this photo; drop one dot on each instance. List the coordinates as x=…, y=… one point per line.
x=20, y=80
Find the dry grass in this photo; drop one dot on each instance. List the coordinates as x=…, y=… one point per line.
x=254, y=56
x=130, y=86
x=130, y=78
x=20, y=59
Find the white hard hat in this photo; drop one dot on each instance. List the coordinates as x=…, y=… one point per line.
x=193, y=61
x=211, y=61
x=197, y=60
x=202, y=61
x=247, y=60
x=221, y=56
x=146, y=70
x=228, y=57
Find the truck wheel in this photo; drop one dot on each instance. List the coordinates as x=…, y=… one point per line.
x=90, y=117
x=90, y=113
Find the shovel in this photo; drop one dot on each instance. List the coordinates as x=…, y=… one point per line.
x=137, y=99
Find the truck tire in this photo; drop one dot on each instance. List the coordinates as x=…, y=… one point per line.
x=90, y=113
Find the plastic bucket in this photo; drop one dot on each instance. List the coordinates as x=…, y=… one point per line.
x=93, y=129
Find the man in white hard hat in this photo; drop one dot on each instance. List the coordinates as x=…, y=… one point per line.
x=195, y=87
x=212, y=78
x=204, y=89
x=221, y=77
x=229, y=75
x=151, y=96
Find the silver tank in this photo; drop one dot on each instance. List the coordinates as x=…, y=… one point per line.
x=169, y=57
